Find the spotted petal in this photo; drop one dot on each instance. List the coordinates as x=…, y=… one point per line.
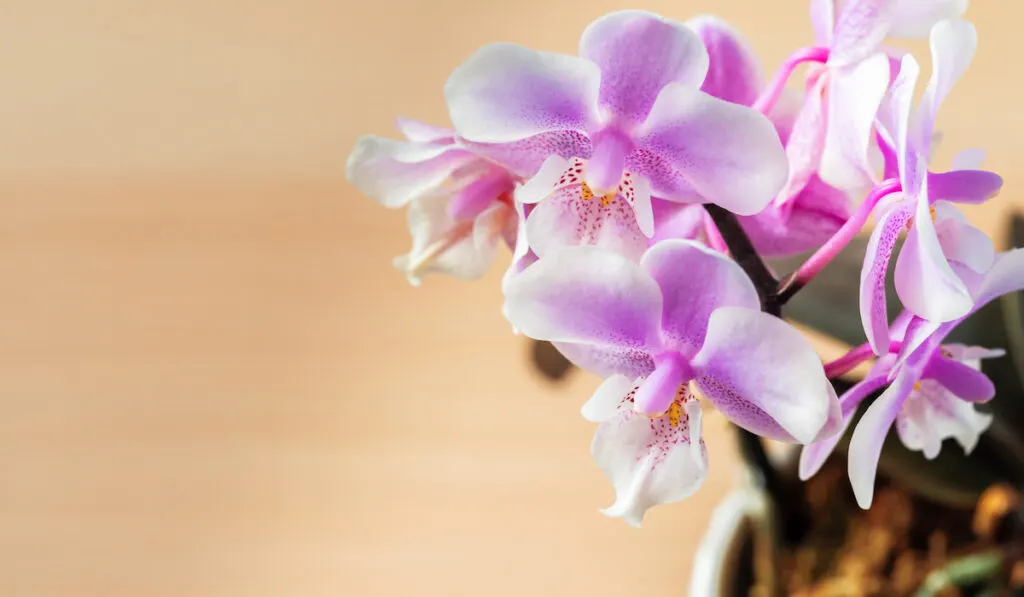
x=573, y=216
x=651, y=461
x=639, y=53
x=764, y=376
x=586, y=295
x=728, y=154
x=873, y=313
x=506, y=93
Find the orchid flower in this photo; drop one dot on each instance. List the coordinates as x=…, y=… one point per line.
x=684, y=319
x=939, y=241
x=601, y=133
x=833, y=134
x=784, y=227
x=932, y=387
x=460, y=205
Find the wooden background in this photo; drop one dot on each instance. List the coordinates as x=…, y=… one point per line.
x=213, y=383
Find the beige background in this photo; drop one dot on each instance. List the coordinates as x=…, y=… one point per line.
x=213, y=383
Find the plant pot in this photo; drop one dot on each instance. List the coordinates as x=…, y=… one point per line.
x=724, y=563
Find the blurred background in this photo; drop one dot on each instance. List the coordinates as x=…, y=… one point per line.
x=212, y=381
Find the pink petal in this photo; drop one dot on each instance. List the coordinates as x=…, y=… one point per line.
x=764, y=376
x=604, y=403
x=421, y=132
x=802, y=224
x=915, y=18
x=1005, y=276
x=729, y=154
x=869, y=435
x=873, y=313
x=651, y=461
x=953, y=44
x=972, y=355
x=971, y=158
x=522, y=256
x=733, y=72
x=694, y=281
x=586, y=295
x=823, y=19
x=393, y=173
x=860, y=28
x=901, y=98
x=964, y=381
x=925, y=282
x=608, y=360
x=505, y=93
x=442, y=245
x=813, y=456
x=930, y=414
x=963, y=243
x=855, y=94
x=547, y=180
x=566, y=219
x=638, y=53
x=918, y=332
x=525, y=157
x=964, y=186
x=803, y=150
x=676, y=220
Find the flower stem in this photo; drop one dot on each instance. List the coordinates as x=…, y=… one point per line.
x=768, y=98
x=742, y=250
x=856, y=356
x=787, y=498
x=817, y=262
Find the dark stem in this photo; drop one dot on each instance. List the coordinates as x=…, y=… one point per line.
x=793, y=517
x=746, y=256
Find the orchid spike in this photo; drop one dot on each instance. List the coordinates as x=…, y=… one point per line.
x=460, y=205
x=627, y=112
x=931, y=388
x=685, y=317
x=941, y=247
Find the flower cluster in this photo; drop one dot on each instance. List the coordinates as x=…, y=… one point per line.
x=636, y=180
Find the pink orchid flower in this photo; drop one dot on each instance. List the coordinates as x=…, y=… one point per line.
x=684, y=317
x=460, y=205
x=833, y=134
x=784, y=227
x=600, y=133
x=940, y=244
x=932, y=388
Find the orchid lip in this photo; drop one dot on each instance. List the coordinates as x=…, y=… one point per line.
x=608, y=161
x=655, y=395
